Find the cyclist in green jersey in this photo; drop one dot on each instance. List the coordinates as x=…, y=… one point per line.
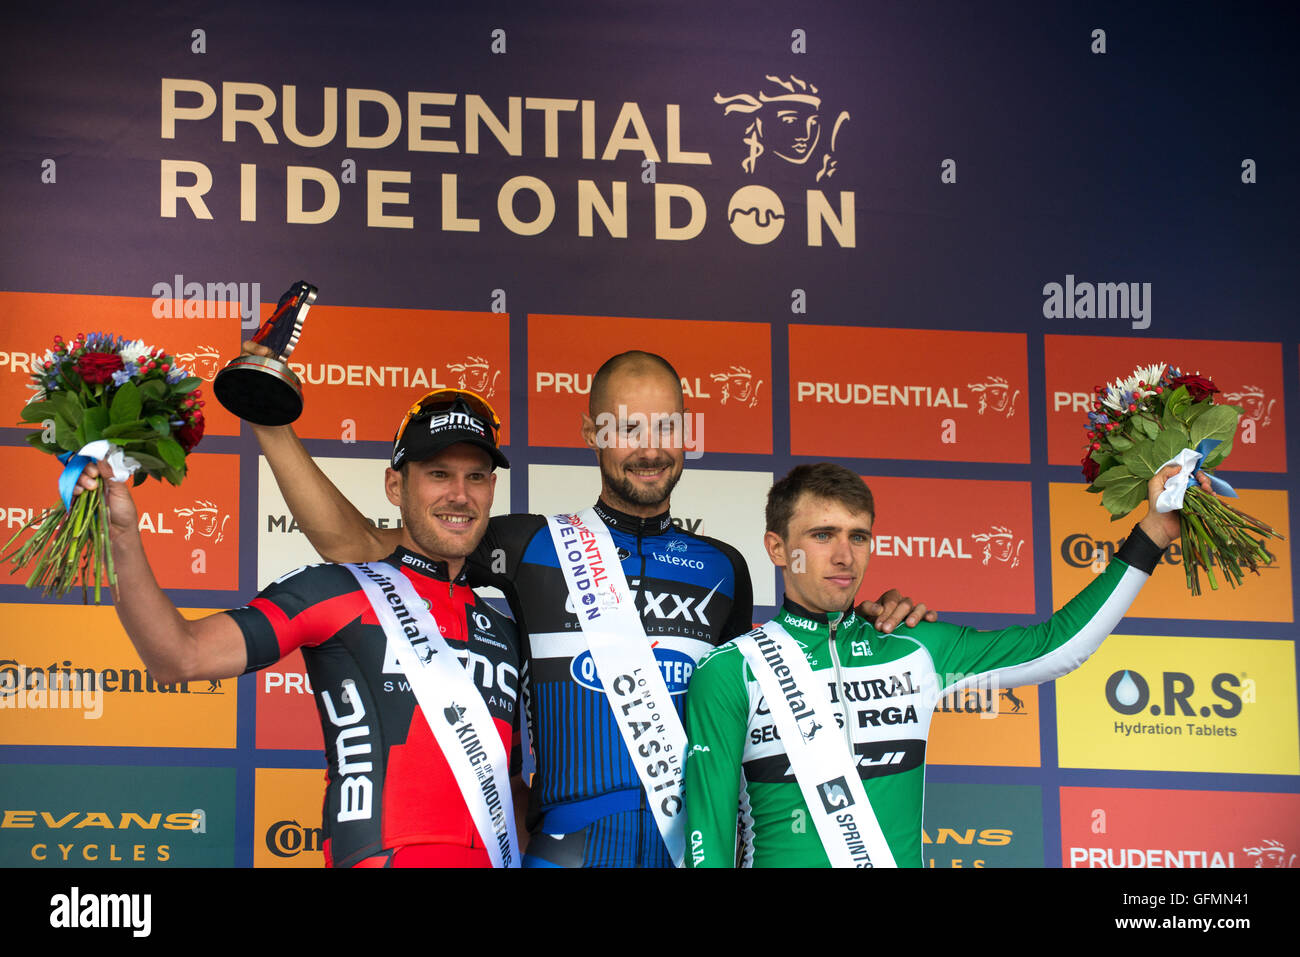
x=819, y=521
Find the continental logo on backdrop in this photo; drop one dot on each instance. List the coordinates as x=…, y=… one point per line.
x=1139, y=827
x=968, y=543
x=725, y=368
x=70, y=676
x=1084, y=539
x=908, y=394
x=357, y=384
x=986, y=726
x=75, y=816
x=1149, y=703
x=982, y=825
x=286, y=708
x=1248, y=374
x=287, y=818
x=190, y=532
x=201, y=345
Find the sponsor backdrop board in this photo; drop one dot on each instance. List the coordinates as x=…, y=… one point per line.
x=1152, y=703
x=983, y=825
x=286, y=826
x=819, y=236
x=1142, y=827
x=85, y=816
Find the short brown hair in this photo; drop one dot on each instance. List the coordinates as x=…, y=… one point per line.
x=821, y=480
x=634, y=360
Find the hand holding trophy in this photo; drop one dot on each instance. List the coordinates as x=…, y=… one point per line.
x=263, y=389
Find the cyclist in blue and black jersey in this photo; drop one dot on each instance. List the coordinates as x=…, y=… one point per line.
x=588, y=807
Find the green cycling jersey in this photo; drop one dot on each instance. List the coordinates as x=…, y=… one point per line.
x=883, y=691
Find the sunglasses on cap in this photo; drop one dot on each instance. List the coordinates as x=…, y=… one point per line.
x=440, y=400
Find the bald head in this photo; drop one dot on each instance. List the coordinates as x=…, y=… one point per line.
x=632, y=363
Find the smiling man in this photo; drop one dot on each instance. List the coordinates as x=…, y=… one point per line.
x=812, y=729
x=416, y=680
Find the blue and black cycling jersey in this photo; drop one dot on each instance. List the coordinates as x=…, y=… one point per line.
x=587, y=807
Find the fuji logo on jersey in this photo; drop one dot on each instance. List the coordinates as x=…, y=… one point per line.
x=677, y=667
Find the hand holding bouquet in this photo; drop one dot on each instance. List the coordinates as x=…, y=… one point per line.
x=1156, y=417
x=101, y=397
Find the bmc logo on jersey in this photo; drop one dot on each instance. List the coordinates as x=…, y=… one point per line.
x=676, y=666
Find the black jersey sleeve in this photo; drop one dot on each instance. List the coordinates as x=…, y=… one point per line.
x=741, y=619
x=496, y=560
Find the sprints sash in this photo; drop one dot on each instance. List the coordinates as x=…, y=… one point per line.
x=451, y=703
x=823, y=765
x=634, y=685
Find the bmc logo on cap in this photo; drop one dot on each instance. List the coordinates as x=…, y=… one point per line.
x=455, y=420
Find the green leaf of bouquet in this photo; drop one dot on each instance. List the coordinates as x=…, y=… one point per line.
x=1215, y=458
x=126, y=404
x=150, y=463
x=1168, y=444
x=154, y=389
x=1141, y=459
x=159, y=424
x=1151, y=428
x=174, y=475
x=65, y=434
x=35, y=441
x=1179, y=402
x=129, y=428
x=70, y=408
x=94, y=424
x=170, y=451
x=1119, y=443
x=188, y=384
x=1120, y=473
x=1196, y=410
x=1122, y=497
x=1218, y=422
x=37, y=411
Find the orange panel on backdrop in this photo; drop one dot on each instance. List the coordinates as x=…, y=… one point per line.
x=725, y=369
x=190, y=531
x=957, y=544
x=1084, y=538
x=362, y=367
x=908, y=394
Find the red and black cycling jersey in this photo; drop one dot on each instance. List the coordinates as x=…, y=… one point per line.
x=388, y=784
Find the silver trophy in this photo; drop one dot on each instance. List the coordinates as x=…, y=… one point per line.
x=263, y=389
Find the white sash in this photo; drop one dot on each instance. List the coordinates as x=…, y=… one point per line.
x=451, y=703
x=827, y=771
x=634, y=685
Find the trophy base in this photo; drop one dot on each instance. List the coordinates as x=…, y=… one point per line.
x=260, y=390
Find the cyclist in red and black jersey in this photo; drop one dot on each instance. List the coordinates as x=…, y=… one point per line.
x=392, y=797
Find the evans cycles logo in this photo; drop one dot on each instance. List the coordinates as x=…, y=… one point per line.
x=676, y=667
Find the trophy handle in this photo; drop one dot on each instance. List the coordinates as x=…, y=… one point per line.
x=263, y=389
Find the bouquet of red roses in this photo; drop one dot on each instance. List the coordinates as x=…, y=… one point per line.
x=1156, y=417
x=101, y=397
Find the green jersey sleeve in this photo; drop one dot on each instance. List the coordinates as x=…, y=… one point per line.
x=717, y=715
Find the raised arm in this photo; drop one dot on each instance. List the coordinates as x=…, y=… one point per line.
x=172, y=647
x=333, y=525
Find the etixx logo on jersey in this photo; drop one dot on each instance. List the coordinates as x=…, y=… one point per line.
x=676, y=666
